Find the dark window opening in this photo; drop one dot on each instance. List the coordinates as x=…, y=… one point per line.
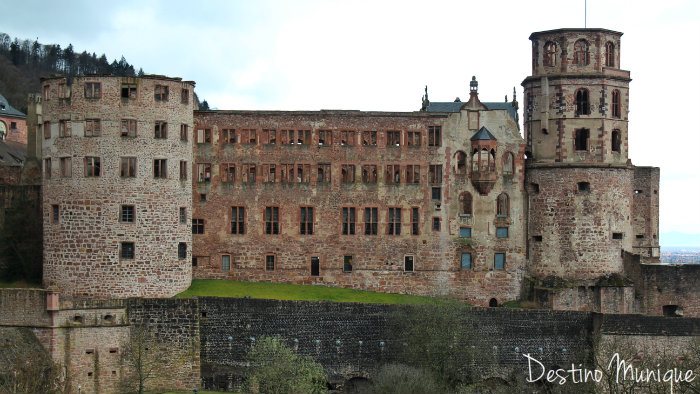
x=371, y=221
x=672, y=311
x=437, y=194
x=582, y=103
x=127, y=214
x=306, y=221
x=127, y=250
x=581, y=140
x=315, y=266
x=349, y=221
x=408, y=263
x=347, y=263
x=197, y=226
x=616, y=141
x=502, y=205
x=237, y=220
x=535, y=187
x=182, y=251
x=436, y=224
x=194, y=261
x=272, y=220
x=414, y=221
x=640, y=236
x=584, y=187
x=493, y=303
x=537, y=238
x=609, y=54
x=617, y=236
x=616, y=104
x=270, y=262
x=394, y=225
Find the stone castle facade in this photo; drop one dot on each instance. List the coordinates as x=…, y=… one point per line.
x=142, y=192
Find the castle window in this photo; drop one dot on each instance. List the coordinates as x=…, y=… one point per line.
x=584, y=187
x=203, y=197
x=185, y=96
x=617, y=236
x=62, y=91
x=413, y=139
x=183, y=215
x=128, y=250
x=323, y=173
x=228, y=136
x=582, y=103
x=501, y=232
x=47, y=168
x=435, y=173
x=228, y=172
x=272, y=220
x=414, y=221
x=248, y=136
x=204, y=136
x=413, y=173
x=270, y=262
x=160, y=167
x=325, y=138
x=549, y=58
x=493, y=303
x=434, y=136
x=436, y=224
x=347, y=263
x=347, y=138
x=461, y=162
x=54, y=213
x=408, y=261
x=465, y=204
x=269, y=137
x=303, y=137
x=237, y=220
x=436, y=193
x=203, y=172
x=92, y=128
x=126, y=214
x=269, y=173
x=581, y=140
x=616, y=103
x=465, y=232
x=161, y=130
x=197, y=226
x=194, y=263
x=184, y=132
x=249, y=173
x=369, y=173
x=499, y=261
x=369, y=138
x=287, y=173
x=394, y=224
x=160, y=93
x=371, y=221
x=225, y=262
x=46, y=92
x=537, y=238
x=535, y=188
x=616, y=140
x=508, y=165
x=92, y=166
x=128, y=128
x=127, y=167
x=347, y=173
x=128, y=91
x=466, y=261
x=348, y=221
x=181, y=250
x=609, y=54
x=502, y=205
x=393, y=138
x=66, y=167
x=315, y=266
x=93, y=90
x=303, y=173
x=392, y=174
x=47, y=130
x=306, y=221
x=183, y=170
x=64, y=128
x=581, y=57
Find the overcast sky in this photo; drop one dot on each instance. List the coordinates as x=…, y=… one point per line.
x=379, y=55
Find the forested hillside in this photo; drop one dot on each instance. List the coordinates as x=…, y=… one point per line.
x=23, y=62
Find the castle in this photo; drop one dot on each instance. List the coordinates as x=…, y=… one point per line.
x=142, y=192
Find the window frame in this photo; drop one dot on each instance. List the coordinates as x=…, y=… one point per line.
x=347, y=263
x=348, y=221
x=306, y=220
x=65, y=167
x=496, y=256
x=371, y=221
x=127, y=213
x=127, y=167
x=160, y=130
x=131, y=130
x=92, y=90
x=160, y=168
x=127, y=250
x=92, y=166
x=198, y=226
x=94, y=126
x=161, y=93
x=238, y=220
x=394, y=221
x=270, y=262
x=412, y=267
x=271, y=220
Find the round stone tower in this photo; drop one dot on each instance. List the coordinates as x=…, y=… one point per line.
x=116, y=187
x=579, y=179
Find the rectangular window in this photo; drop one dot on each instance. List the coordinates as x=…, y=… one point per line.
x=394, y=225
x=248, y=136
x=436, y=224
x=128, y=90
x=184, y=96
x=392, y=176
x=306, y=221
x=93, y=128
x=369, y=173
x=413, y=139
x=465, y=232
x=203, y=172
x=414, y=221
x=184, y=132
x=408, y=261
x=347, y=263
x=270, y=262
x=93, y=90
x=434, y=136
x=347, y=173
x=197, y=226
x=228, y=172
x=435, y=174
x=160, y=168
x=502, y=232
x=228, y=136
x=248, y=173
x=127, y=167
x=160, y=93
x=436, y=193
x=128, y=250
x=393, y=138
x=54, y=213
x=499, y=261
x=272, y=220
x=64, y=128
x=348, y=221
x=369, y=138
x=183, y=215
x=413, y=173
x=581, y=140
x=617, y=236
x=303, y=173
x=128, y=128
x=47, y=130
x=323, y=173
x=269, y=137
x=126, y=215
x=161, y=130
x=325, y=138
x=46, y=91
x=347, y=138
x=92, y=166
x=181, y=250
x=371, y=221
x=225, y=262
x=466, y=261
x=47, y=168
x=66, y=167
x=204, y=136
x=62, y=91
x=183, y=170
x=238, y=220
x=287, y=137
x=315, y=266
x=269, y=172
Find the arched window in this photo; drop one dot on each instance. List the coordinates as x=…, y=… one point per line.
x=502, y=205
x=609, y=54
x=616, y=103
x=483, y=160
x=581, y=53
x=465, y=203
x=616, y=140
x=461, y=162
x=508, y=164
x=582, y=106
x=550, y=54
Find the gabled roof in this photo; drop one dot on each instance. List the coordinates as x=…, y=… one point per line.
x=455, y=106
x=7, y=110
x=483, y=134
x=12, y=154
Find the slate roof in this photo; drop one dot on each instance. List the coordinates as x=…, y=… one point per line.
x=483, y=134
x=455, y=106
x=12, y=154
x=7, y=110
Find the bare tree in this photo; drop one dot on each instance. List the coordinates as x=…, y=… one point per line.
x=143, y=356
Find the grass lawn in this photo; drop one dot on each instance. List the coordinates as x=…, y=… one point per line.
x=19, y=284
x=283, y=291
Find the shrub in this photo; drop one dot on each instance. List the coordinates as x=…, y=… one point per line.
x=402, y=379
